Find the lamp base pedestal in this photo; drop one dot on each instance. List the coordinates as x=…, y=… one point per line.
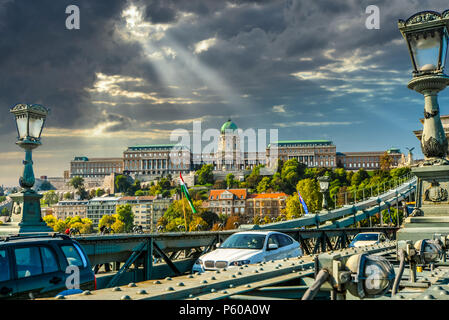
x=432, y=205
x=31, y=220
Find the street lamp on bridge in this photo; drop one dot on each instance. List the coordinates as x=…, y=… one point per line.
x=426, y=34
x=30, y=120
x=324, y=188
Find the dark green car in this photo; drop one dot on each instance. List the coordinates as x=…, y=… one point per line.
x=38, y=266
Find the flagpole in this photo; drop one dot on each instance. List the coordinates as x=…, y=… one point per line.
x=184, y=209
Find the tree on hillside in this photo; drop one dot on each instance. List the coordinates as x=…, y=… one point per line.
x=254, y=177
x=121, y=183
x=310, y=192
x=291, y=173
x=50, y=198
x=78, y=183
x=230, y=182
x=386, y=161
x=205, y=175
x=264, y=185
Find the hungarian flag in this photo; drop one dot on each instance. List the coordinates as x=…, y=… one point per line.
x=303, y=203
x=186, y=193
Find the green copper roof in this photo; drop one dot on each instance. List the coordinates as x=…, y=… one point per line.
x=228, y=125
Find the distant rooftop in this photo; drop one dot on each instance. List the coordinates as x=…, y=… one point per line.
x=155, y=146
x=302, y=142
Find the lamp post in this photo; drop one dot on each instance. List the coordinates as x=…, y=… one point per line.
x=324, y=188
x=30, y=119
x=426, y=35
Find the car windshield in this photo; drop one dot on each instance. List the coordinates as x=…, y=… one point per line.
x=244, y=241
x=366, y=237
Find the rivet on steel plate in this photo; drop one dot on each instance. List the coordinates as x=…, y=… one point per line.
x=181, y=284
x=170, y=289
x=204, y=281
x=213, y=278
x=142, y=291
x=125, y=297
x=117, y=289
x=132, y=284
x=87, y=292
x=157, y=282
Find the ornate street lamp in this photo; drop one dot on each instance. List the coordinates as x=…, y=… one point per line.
x=30, y=121
x=324, y=188
x=426, y=34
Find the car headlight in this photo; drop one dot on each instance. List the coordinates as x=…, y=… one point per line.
x=199, y=261
x=239, y=263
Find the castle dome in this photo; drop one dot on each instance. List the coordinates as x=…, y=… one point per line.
x=228, y=125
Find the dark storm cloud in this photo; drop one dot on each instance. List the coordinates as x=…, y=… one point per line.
x=43, y=62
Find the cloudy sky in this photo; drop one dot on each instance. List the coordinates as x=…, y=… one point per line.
x=136, y=70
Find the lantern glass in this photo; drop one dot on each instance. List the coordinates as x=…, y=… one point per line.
x=22, y=125
x=324, y=185
x=426, y=50
x=36, y=124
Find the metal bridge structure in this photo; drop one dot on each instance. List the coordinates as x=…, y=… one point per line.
x=139, y=259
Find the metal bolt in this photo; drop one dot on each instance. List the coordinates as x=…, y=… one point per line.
x=204, y=281
x=261, y=269
x=141, y=291
x=191, y=296
x=255, y=271
x=248, y=286
x=158, y=282
x=429, y=297
x=125, y=297
x=225, y=269
x=60, y=297
x=239, y=273
x=170, y=289
x=233, y=276
x=213, y=278
x=231, y=286
x=132, y=284
x=218, y=271
x=117, y=289
x=180, y=284
x=87, y=292
x=190, y=276
x=224, y=291
x=168, y=278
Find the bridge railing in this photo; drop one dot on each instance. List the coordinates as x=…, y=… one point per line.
x=361, y=194
x=349, y=214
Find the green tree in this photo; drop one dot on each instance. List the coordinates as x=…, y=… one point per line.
x=264, y=185
x=310, y=192
x=119, y=226
x=293, y=208
x=5, y=212
x=68, y=196
x=60, y=226
x=254, y=178
x=50, y=198
x=77, y=182
x=292, y=172
x=106, y=220
x=230, y=182
x=125, y=214
x=99, y=192
x=205, y=174
x=121, y=183
x=50, y=221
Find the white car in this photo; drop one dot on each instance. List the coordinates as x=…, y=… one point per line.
x=247, y=248
x=367, y=238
